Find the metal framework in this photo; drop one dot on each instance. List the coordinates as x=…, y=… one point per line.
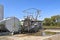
x=37, y=12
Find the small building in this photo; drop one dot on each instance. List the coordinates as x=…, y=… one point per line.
x=58, y=20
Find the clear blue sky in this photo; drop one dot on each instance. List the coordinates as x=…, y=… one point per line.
x=15, y=7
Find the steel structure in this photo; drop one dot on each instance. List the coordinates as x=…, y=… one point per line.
x=1, y=12
x=37, y=12
x=31, y=23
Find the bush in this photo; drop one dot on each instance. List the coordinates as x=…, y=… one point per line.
x=58, y=23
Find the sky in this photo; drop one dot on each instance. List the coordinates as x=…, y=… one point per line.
x=15, y=7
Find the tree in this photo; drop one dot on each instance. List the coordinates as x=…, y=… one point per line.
x=54, y=20
x=47, y=22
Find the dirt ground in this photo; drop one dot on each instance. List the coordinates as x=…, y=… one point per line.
x=22, y=37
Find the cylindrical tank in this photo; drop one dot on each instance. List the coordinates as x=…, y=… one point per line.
x=11, y=24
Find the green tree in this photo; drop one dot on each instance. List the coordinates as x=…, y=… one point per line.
x=54, y=20
x=47, y=22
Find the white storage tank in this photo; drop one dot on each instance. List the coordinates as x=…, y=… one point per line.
x=11, y=24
